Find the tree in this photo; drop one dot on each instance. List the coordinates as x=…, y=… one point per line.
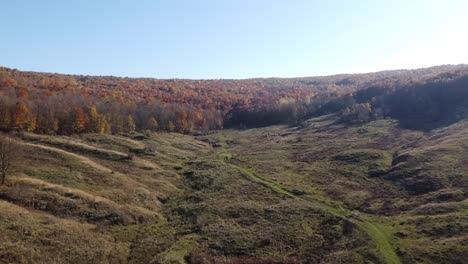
x=9, y=154
x=80, y=121
x=94, y=118
x=5, y=119
x=130, y=124
x=181, y=121
x=103, y=125
x=31, y=126
x=170, y=126
x=153, y=124
x=358, y=113
x=21, y=115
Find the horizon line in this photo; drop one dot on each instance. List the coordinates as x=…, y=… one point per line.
x=238, y=79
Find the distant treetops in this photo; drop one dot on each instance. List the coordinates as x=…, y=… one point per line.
x=65, y=104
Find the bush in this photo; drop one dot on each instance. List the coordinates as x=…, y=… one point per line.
x=358, y=113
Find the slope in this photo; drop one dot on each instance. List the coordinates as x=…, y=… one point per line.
x=321, y=192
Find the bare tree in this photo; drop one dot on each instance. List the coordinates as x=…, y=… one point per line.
x=9, y=154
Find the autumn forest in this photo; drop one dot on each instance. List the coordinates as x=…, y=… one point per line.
x=66, y=104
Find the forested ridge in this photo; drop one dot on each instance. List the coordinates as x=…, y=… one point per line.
x=65, y=104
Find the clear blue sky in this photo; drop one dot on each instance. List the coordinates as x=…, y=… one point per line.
x=231, y=38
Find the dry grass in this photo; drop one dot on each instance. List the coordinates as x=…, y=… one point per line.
x=237, y=194
x=34, y=237
x=71, y=203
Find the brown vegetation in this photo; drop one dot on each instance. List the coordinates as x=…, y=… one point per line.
x=67, y=104
x=9, y=155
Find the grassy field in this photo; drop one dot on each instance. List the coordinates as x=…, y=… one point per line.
x=383, y=174
x=317, y=193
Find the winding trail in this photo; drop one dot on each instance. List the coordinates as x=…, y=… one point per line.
x=380, y=238
x=82, y=159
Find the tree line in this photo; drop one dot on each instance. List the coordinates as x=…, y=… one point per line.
x=69, y=113
x=437, y=101
x=67, y=104
x=424, y=106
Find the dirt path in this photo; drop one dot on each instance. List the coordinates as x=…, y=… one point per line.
x=82, y=159
x=143, y=163
x=379, y=237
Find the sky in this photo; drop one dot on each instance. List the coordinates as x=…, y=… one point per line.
x=223, y=39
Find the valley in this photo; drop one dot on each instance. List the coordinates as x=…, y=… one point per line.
x=234, y=132
x=321, y=192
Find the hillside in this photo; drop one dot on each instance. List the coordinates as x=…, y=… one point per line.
x=374, y=170
x=65, y=104
x=322, y=192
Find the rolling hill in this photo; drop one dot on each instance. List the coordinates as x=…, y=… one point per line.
x=369, y=169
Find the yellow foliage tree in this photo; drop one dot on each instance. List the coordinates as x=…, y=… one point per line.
x=170, y=126
x=94, y=120
x=21, y=115
x=31, y=125
x=130, y=126
x=153, y=124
